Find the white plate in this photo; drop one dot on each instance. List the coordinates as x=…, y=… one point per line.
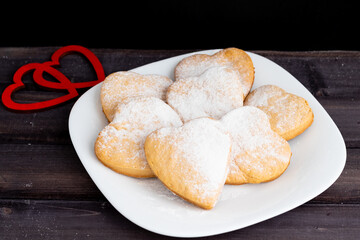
x=319, y=156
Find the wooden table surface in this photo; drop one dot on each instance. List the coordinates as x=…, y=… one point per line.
x=45, y=192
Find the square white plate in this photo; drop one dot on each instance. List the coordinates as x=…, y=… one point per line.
x=319, y=156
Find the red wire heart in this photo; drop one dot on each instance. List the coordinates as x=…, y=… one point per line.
x=63, y=82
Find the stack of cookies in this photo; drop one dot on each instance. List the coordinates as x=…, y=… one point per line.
x=201, y=131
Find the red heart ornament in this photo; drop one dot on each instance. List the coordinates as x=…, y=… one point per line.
x=63, y=82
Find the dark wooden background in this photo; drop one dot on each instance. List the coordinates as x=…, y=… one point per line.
x=45, y=193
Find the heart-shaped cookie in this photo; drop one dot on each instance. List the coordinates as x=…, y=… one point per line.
x=258, y=154
x=289, y=115
x=124, y=84
x=195, y=65
x=192, y=160
x=212, y=94
x=120, y=145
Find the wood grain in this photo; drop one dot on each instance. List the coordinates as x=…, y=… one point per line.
x=41, y=219
x=45, y=192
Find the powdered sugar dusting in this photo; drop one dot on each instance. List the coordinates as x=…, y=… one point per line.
x=121, y=85
x=134, y=120
x=285, y=110
x=155, y=192
x=199, y=157
x=214, y=93
x=195, y=66
x=260, y=96
x=256, y=149
x=234, y=58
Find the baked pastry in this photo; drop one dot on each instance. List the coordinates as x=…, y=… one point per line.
x=195, y=65
x=212, y=94
x=258, y=154
x=192, y=160
x=289, y=115
x=121, y=85
x=120, y=145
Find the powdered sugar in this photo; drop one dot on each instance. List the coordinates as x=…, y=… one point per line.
x=256, y=148
x=200, y=149
x=195, y=67
x=214, y=93
x=199, y=157
x=261, y=96
x=134, y=120
x=121, y=85
x=155, y=192
x=285, y=110
x=234, y=58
